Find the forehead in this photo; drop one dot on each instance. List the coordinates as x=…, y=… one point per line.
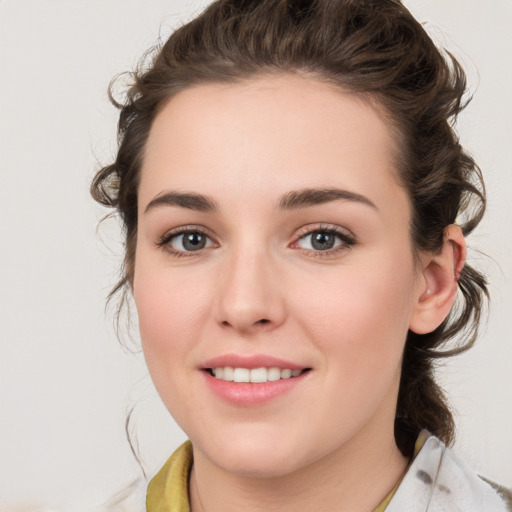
x=286, y=130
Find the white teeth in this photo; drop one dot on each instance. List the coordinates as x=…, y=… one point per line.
x=273, y=374
x=256, y=375
x=286, y=374
x=241, y=375
x=227, y=373
x=259, y=375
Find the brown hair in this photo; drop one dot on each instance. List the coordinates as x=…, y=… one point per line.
x=369, y=47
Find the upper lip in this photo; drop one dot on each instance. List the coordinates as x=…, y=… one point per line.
x=250, y=361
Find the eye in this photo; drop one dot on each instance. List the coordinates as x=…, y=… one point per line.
x=324, y=240
x=189, y=241
x=319, y=241
x=184, y=241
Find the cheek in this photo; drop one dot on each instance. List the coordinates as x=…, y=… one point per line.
x=170, y=308
x=169, y=311
x=360, y=318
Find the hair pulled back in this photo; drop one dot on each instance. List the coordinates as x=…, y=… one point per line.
x=373, y=48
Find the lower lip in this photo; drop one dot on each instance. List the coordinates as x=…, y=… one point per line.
x=246, y=394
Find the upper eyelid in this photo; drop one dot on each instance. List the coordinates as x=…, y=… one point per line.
x=189, y=228
x=333, y=228
x=346, y=236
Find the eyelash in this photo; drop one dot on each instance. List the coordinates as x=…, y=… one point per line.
x=347, y=240
x=164, y=241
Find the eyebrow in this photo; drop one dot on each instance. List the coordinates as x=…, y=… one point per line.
x=307, y=197
x=189, y=200
x=294, y=200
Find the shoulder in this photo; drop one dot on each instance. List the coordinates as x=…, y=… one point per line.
x=437, y=481
x=504, y=492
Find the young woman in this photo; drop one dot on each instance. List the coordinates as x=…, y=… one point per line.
x=295, y=203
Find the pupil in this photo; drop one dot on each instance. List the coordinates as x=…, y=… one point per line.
x=322, y=241
x=193, y=241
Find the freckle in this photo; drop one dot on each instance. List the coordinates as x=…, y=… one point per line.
x=424, y=477
x=444, y=489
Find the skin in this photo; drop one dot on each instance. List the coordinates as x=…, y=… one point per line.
x=260, y=287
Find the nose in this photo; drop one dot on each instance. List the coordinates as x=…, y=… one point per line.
x=250, y=296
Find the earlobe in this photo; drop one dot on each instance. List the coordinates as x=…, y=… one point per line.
x=439, y=282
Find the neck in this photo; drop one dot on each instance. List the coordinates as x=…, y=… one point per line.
x=355, y=477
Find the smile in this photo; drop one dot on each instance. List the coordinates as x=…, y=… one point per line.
x=253, y=380
x=254, y=375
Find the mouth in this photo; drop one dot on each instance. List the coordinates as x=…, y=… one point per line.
x=244, y=380
x=254, y=375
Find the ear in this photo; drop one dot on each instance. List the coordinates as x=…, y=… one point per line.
x=438, y=282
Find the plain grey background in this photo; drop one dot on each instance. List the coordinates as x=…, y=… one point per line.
x=65, y=383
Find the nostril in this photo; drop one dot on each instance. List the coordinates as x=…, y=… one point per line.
x=247, y=325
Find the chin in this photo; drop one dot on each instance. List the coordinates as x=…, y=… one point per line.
x=258, y=456
x=258, y=465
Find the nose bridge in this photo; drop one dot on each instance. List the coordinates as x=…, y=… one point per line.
x=249, y=296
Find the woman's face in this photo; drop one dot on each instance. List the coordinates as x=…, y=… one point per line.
x=273, y=233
